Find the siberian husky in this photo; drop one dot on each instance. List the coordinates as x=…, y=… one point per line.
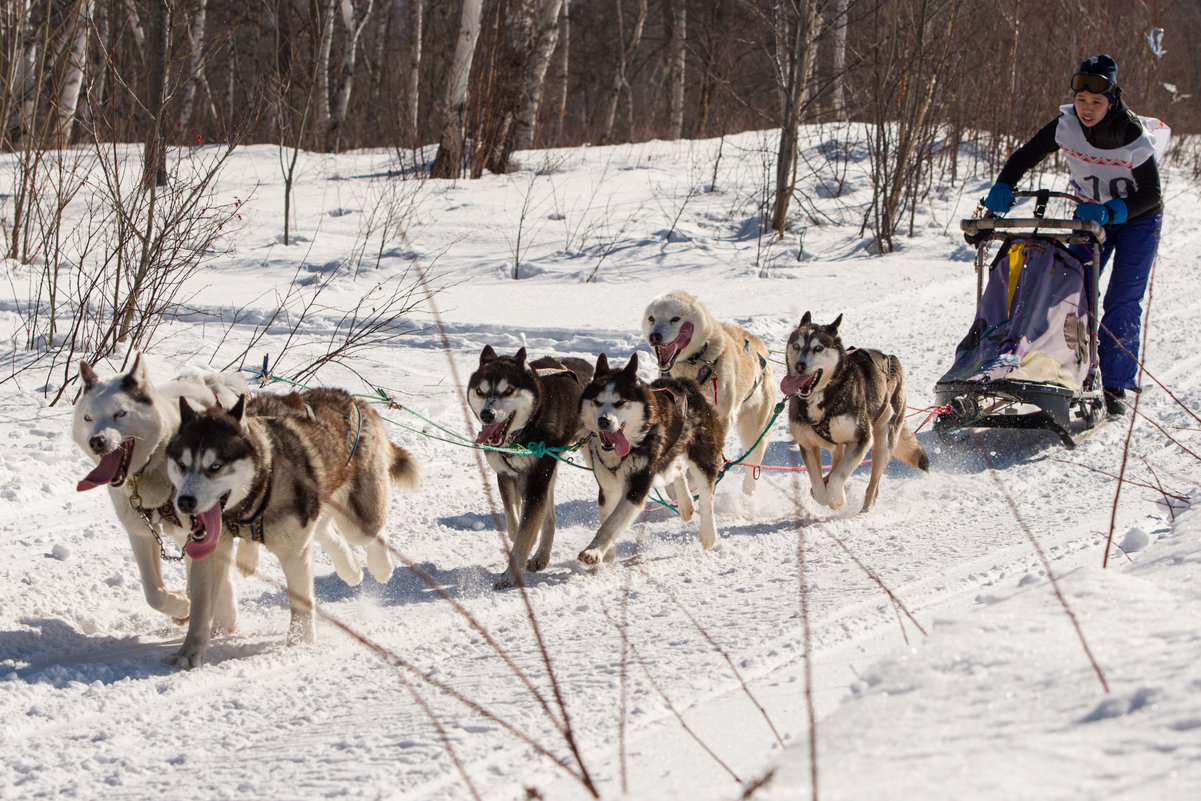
x=639, y=433
x=729, y=363
x=123, y=423
x=520, y=403
x=284, y=479
x=846, y=401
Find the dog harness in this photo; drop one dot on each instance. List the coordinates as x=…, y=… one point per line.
x=706, y=372
x=822, y=426
x=251, y=528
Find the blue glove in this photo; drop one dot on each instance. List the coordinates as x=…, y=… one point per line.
x=1000, y=198
x=1093, y=212
x=1117, y=210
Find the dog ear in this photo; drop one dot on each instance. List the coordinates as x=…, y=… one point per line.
x=239, y=409
x=602, y=365
x=87, y=375
x=834, y=325
x=487, y=355
x=137, y=380
x=520, y=357
x=186, y=412
x=631, y=367
x=806, y=319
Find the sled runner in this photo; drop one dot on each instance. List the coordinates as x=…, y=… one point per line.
x=1029, y=359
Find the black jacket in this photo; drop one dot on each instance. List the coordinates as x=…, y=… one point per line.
x=1119, y=127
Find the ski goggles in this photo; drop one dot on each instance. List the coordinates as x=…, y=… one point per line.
x=1088, y=82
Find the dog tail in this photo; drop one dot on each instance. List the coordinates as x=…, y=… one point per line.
x=910, y=451
x=905, y=444
x=404, y=469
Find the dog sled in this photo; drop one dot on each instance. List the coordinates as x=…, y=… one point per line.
x=1029, y=360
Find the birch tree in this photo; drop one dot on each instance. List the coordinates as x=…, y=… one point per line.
x=546, y=37
x=564, y=63
x=448, y=163
x=414, y=76
x=196, y=60
x=76, y=34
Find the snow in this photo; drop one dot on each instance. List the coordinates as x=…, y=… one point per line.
x=682, y=672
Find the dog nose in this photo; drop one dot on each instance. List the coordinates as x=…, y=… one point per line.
x=487, y=415
x=186, y=504
x=655, y=338
x=602, y=422
x=98, y=444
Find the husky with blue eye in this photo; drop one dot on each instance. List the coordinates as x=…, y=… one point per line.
x=845, y=401
x=665, y=432
x=521, y=403
x=122, y=423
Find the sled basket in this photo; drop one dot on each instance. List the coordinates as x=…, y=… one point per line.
x=1029, y=359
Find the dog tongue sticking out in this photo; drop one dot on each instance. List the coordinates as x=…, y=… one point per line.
x=667, y=353
x=798, y=384
x=493, y=433
x=615, y=440
x=111, y=469
x=205, y=534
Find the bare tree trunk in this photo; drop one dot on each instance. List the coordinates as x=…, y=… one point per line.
x=196, y=58
x=795, y=69
x=546, y=36
x=448, y=163
x=674, y=15
x=325, y=45
x=620, y=82
x=154, y=165
x=77, y=31
x=414, y=107
x=564, y=63
x=838, y=96
x=354, y=26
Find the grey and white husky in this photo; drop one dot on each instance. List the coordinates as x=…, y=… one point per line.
x=666, y=432
x=520, y=403
x=846, y=401
x=123, y=423
x=315, y=466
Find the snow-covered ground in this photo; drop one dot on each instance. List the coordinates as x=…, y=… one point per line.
x=681, y=672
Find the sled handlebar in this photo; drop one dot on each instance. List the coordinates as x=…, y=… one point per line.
x=1079, y=230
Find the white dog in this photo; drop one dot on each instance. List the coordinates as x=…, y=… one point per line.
x=729, y=363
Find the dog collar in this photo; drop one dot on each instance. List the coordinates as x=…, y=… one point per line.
x=251, y=528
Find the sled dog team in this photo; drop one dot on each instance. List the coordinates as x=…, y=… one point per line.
x=198, y=461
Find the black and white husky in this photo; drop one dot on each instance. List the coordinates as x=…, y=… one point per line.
x=520, y=403
x=123, y=423
x=845, y=401
x=315, y=466
x=667, y=431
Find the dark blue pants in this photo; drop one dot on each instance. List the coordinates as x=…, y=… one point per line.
x=1133, y=248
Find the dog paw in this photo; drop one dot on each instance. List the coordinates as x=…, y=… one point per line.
x=708, y=540
x=835, y=499
x=174, y=605
x=590, y=557
x=537, y=563
x=506, y=582
x=180, y=621
x=301, y=631
x=247, y=558
x=819, y=494
x=185, y=659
